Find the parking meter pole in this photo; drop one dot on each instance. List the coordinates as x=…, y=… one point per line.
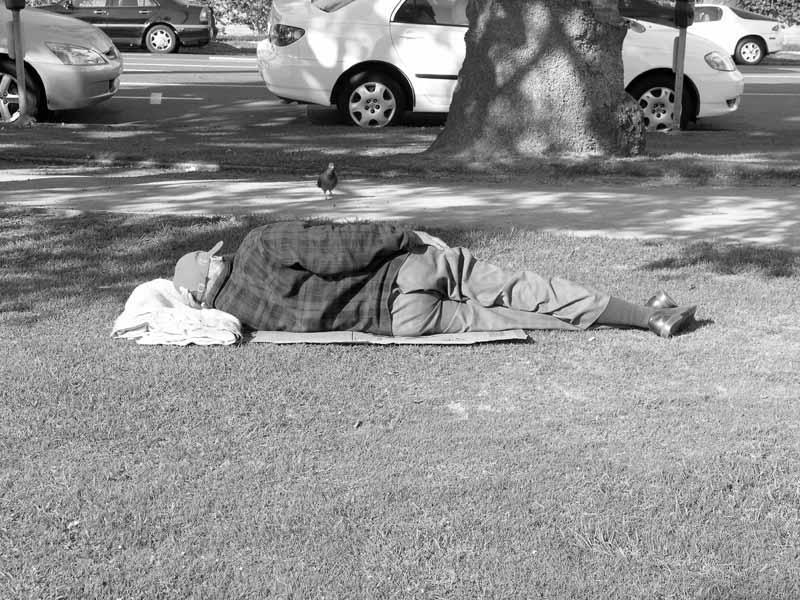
x=684, y=17
x=19, y=59
x=679, y=58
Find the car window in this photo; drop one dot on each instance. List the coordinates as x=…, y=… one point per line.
x=433, y=12
x=331, y=5
x=706, y=14
x=89, y=3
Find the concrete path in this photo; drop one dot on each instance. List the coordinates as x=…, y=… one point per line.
x=759, y=215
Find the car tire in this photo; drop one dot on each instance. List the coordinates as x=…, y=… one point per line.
x=750, y=51
x=9, y=97
x=161, y=39
x=371, y=100
x=655, y=94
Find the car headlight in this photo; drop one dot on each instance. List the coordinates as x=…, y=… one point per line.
x=70, y=54
x=720, y=62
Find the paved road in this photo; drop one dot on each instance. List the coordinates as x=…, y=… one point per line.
x=157, y=88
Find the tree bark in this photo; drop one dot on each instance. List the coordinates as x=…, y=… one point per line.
x=542, y=77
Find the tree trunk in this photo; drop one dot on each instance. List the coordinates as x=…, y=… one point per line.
x=542, y=77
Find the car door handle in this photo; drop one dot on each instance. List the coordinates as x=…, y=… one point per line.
x=100, y=12
x=144, y=12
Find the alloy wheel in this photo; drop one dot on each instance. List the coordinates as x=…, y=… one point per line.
x=9, y=98
x=750, y=52
x=160, y=39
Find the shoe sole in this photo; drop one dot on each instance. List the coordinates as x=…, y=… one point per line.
x=678, y=322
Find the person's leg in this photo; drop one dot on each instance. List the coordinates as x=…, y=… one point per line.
x=472, y=285
x=426, y=313
x=457, y=275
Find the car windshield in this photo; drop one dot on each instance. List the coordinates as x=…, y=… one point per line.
x=331, y=5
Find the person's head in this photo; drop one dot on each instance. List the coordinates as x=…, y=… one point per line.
x=195, y=272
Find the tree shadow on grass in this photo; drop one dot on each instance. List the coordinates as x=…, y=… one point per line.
x=734, y=259
x=85, y=257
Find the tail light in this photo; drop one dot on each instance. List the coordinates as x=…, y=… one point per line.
x=283, y=35
x=204, y=15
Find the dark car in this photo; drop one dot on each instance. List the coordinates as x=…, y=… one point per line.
x=158, y=25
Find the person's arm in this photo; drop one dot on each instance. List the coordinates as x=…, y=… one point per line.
x=427, y=239
x=333, y=249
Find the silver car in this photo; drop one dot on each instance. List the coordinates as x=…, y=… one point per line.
x=69, y=64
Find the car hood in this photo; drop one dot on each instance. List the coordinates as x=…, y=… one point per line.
x=43, y=26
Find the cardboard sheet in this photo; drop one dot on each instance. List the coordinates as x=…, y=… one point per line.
x=357, y=337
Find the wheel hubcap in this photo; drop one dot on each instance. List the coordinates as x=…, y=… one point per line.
x=751, y=52
x=9, y=98
x=372, y=104
x=160, y=39
x=658, y=104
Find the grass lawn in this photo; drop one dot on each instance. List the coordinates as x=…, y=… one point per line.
x=605, y=464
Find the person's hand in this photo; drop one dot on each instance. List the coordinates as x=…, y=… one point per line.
x=431, y=240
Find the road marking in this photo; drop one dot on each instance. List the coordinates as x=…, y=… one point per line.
x=187, y=69
x=772, y=76
x=142, y=84
x=245, y=58
x=162, y=98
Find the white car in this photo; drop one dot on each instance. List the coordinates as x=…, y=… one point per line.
x=374, y=59
x=70, y=64
x=746, y=36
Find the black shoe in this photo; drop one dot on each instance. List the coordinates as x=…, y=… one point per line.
x=661, y=300
x=671, y=321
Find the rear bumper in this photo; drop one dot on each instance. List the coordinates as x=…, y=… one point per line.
x=195, y=35
x=294, y=78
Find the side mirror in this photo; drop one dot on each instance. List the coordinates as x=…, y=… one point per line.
x=15, y=4
x=634, y=25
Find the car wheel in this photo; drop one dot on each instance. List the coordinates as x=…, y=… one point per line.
x=161, y=39
x=371, y=100
x=9, y=94
x=750, y=51
x=656, y=96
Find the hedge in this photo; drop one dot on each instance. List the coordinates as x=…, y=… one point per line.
x=253, y=13
x=787, y=11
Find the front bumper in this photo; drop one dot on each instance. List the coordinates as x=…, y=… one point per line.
x=720, y=95
x=68, y=87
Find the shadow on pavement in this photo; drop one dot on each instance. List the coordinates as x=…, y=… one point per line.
x=756, y=215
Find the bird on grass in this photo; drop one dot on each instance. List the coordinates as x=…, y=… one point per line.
x=327, y=180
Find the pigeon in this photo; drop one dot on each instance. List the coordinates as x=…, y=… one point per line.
x=327, y=180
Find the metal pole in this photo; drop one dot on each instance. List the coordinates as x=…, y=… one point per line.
x=679, y=55
x=19, y=59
